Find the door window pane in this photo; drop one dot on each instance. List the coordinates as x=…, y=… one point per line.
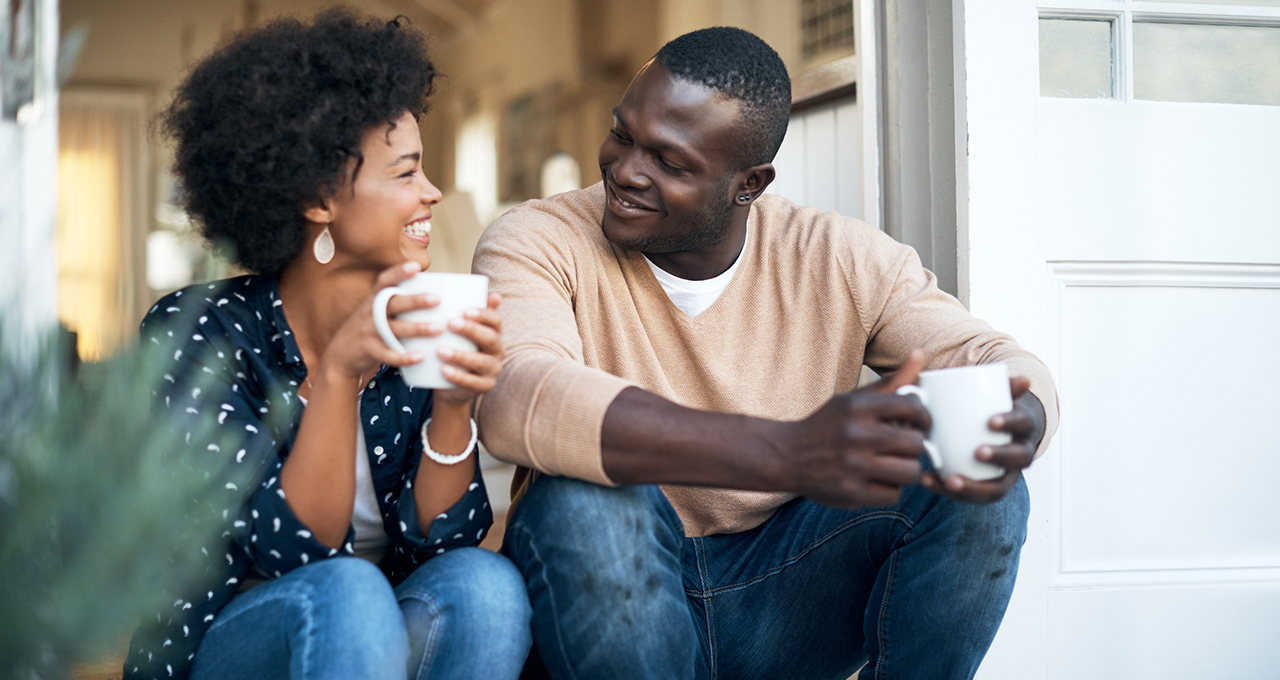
x=1075, y=58
x=1263, y=3
x=1203, y=63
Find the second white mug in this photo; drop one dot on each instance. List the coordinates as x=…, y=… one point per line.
x=962, y=402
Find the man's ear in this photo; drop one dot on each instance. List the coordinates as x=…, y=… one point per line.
x=320, y=212
x=756, y=179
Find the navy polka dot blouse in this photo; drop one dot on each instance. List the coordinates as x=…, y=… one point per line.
x=232, y=339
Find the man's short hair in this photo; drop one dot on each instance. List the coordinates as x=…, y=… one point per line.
x=741, y=66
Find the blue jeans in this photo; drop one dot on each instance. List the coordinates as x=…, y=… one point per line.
x=463, y=614
x=916, y=590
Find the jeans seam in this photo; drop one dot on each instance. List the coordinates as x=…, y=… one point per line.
x=800, y=555
x=884, y=602
x=700, y=558
x=429, y=648
x=555, y=616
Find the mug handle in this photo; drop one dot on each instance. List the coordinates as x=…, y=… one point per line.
x=935, y=456
x=380, y=318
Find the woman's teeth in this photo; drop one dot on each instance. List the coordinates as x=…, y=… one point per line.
x=419, y=228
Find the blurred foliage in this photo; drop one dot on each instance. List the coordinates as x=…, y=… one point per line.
x=101, y=510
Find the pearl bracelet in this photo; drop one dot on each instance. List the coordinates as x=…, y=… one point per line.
x=440, y=457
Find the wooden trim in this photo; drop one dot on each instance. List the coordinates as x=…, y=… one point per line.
x=825, y=83
x=841, y=92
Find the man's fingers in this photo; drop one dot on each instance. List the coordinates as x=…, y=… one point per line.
x=1014, y=422
x=1009, y=456
x=893, y=470
x=905, y=375
x=885, y=440
x=1019, y=386
x=985, y=491
x=904, y=410
x=961, y=488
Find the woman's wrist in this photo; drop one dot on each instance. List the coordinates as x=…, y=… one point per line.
x=449, y=459
x=451, y=413
x=449, y=429
x=328, y=378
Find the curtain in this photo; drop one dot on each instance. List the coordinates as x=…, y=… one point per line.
x=103, y=217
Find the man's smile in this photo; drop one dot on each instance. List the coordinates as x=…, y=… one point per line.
x=624, y=204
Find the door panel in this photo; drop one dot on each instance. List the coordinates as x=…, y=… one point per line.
x=1158, y=181
x=1165, y=498
x=1163, y=634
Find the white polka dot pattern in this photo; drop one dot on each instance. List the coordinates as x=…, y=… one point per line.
x=242, y=353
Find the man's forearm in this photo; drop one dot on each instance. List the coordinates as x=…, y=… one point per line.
x=647, y=439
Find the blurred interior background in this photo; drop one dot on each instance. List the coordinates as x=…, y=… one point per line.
x=526, y=101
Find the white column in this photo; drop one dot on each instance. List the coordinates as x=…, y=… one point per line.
x=28, y=199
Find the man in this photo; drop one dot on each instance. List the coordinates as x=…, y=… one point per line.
x=674, y=326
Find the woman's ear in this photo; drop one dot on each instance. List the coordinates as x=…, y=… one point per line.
x=320, y=212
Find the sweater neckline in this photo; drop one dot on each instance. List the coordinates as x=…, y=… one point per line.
x=738, y=271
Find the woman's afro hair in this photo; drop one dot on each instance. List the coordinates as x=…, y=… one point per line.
x=267, y=125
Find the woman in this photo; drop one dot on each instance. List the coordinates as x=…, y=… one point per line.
x=299, y=151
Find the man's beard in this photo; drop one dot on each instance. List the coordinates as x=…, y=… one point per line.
x=698, y=232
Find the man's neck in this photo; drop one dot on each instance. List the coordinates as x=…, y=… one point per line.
x=707, y=263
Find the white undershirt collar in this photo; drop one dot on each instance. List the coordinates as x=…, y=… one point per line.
x=694, y=297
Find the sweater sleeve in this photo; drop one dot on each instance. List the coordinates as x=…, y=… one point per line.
x=903, y=309
x=548, y=407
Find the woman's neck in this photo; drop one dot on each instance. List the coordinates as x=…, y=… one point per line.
x=318, y=299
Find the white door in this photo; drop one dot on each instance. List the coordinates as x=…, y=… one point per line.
x=1119, y=212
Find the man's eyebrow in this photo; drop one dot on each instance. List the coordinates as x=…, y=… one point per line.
x=415, y=157
x=656, y=146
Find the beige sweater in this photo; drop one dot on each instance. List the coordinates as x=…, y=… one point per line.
x=815, y=297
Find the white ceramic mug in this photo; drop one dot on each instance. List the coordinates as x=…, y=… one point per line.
x=457, y=293
x=962, y=402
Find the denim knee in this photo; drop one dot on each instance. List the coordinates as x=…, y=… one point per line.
x=585, y=519
x=481, y=592
x=467, y=614
x=987, y=538
x=603, y=567
x=355, y=594
x=353, y=627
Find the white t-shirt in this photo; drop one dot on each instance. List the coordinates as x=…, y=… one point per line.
x=371, y=538
x=694, y=297
x=366, y=517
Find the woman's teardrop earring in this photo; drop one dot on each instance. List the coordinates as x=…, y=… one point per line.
x=324, y=248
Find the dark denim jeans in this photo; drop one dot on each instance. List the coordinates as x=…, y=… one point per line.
x=462, y=614
x=916, y=590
